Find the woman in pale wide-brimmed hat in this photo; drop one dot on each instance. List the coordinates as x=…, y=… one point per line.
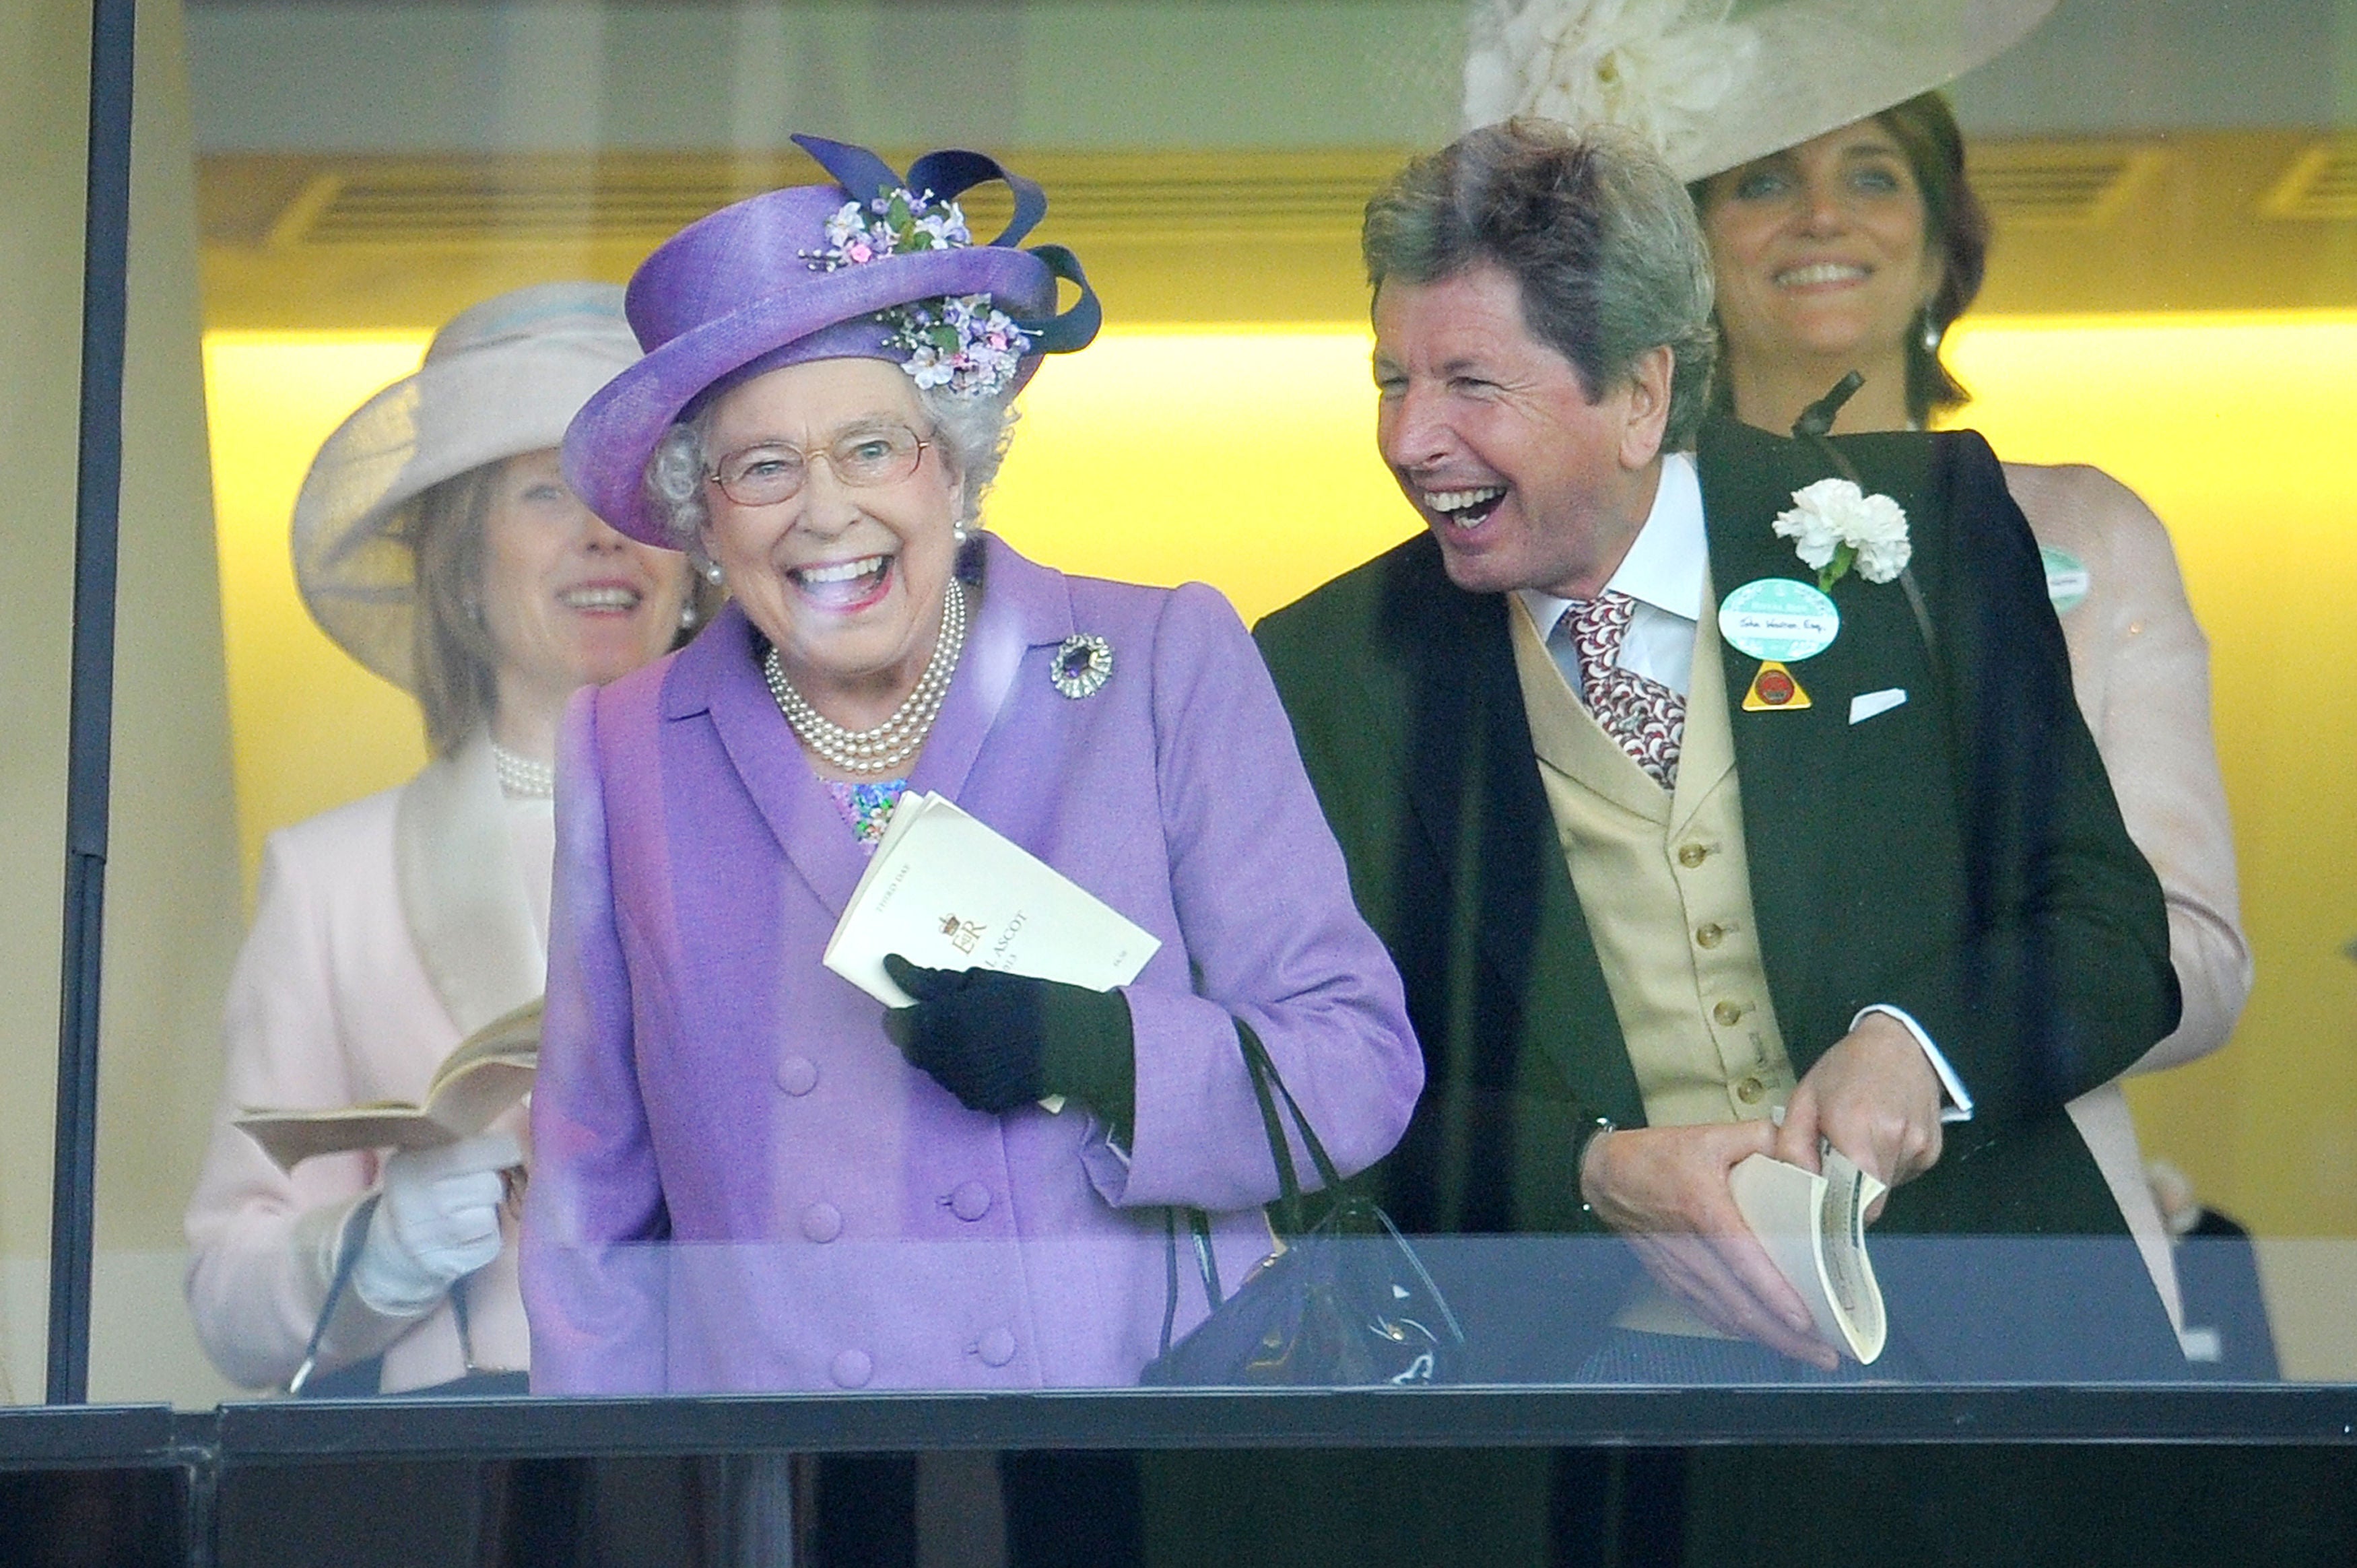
x=435, y=540
x=748, y=1174
x=1844, y=234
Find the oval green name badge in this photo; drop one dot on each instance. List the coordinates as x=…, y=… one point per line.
x=1779, y=618
x=2067, y=579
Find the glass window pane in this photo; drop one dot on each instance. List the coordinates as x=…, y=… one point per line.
x=2170, y=296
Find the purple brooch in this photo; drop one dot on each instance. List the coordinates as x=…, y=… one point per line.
x=1082, y=665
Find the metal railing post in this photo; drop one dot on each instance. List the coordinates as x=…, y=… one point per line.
x=106, y=230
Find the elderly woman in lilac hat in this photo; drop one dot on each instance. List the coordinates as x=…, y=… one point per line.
x=748, y=1174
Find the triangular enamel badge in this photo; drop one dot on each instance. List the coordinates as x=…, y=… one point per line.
x=1773, y=689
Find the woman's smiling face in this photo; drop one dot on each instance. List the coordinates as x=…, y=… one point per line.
x=1821, y=252
x=566, y=600
x=846, y=582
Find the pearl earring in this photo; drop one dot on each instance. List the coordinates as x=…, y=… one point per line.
x=712, y=572
x=1932, y=331
x=687, y=615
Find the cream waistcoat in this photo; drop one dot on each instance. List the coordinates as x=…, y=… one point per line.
x=1666, y=887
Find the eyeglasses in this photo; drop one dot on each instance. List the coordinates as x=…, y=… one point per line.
x=773, y=471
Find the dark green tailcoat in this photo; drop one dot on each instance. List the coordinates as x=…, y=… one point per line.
x=1960, y=856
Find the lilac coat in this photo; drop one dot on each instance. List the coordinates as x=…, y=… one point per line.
x=833, y=1218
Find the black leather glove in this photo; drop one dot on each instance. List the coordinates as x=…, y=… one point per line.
x=997, y=1041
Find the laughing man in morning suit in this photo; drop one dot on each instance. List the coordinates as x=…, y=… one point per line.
x=1654, y=919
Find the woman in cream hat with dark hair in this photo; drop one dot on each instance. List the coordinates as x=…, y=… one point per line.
x=435, y=540
x=1830, y=177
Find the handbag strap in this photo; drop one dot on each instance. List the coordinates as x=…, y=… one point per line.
x=1206, y=1265
x=1268, y=1087
x=1170, y=1300
x=349, y=1242
x=348, y=1246
x=1264, y=1076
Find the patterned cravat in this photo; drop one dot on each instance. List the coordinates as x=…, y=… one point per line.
x=1645, y=719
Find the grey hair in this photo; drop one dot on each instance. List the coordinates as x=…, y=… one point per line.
x=1594, y=227
x=972, y=431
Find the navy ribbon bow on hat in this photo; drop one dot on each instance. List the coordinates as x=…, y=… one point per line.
x=949, y=174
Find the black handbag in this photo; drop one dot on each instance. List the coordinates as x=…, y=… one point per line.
x=1342, y=1303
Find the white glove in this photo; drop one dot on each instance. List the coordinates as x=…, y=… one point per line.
x=437, y=1221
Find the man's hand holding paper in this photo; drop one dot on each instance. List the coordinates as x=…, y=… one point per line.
x=1665, y=1189
x=1874, y=1097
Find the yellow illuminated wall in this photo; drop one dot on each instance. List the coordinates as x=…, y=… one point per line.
x=1244, y=458
x=310, y=727
x=1246, y=461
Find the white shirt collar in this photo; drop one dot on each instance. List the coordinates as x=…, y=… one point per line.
x=1667, y=562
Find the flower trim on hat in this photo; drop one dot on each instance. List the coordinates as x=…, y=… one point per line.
x=1660, y=68
x=905, y=220
x=960, y=342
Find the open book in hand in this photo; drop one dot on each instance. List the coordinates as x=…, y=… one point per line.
x=946, y=891
x=490, y=1070
x=1813, y=1228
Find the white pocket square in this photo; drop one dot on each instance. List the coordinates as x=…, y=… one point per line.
x=1866, y=704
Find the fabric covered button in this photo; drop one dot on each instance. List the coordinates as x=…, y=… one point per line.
x=970, y=1200
x=798, y=1075
x=1726, y=1012
x=1691, y=855
x=995, y=1347
x=822, y=1222
x=850, y=1369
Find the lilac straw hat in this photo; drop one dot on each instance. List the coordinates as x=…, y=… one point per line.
x=872, y=266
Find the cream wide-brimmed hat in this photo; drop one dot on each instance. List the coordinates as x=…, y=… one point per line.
x=504, y=378
x=1714, y=83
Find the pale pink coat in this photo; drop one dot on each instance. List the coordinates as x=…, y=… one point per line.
x=384, y=931
x=2141, y=669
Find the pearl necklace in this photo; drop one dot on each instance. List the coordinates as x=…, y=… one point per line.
x=521, y=779
x=883, y=749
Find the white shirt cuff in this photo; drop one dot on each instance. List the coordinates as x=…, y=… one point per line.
x=1958, y=1100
